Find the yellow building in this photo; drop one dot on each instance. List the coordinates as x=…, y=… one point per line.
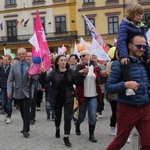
x=62, y=21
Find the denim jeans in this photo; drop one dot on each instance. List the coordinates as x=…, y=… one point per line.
x=90, y=103
x=6, y=103
x=49, y=110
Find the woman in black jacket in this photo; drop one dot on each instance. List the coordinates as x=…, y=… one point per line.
x=62, y=93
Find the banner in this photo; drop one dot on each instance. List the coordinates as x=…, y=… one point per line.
x=95, y=34
x=40, y=49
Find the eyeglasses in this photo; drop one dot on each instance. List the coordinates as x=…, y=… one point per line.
x=82, y=56
x=139, y=46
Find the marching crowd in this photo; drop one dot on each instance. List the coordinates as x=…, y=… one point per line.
x=125, y=77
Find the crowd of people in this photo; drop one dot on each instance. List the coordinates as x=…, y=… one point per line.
x=123, y=82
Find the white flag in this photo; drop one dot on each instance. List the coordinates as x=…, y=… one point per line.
x=82, y=42
x=60, y=51
x=95, y=34
x=98, y=51
x=76, y=50
x=34, y=41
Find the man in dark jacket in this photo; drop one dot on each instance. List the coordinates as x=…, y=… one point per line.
x=5, y=101
x=133, y=111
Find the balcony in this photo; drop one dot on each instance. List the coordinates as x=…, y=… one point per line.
x=51, y=37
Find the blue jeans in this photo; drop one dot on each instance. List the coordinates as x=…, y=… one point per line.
x=49, y=110
x=90, y=103
x=6, y=103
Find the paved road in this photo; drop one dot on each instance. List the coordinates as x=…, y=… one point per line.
x=42, y=134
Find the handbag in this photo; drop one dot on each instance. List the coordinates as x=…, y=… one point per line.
x=110, y=97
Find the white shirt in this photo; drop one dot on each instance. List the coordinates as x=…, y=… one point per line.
x=90, y=83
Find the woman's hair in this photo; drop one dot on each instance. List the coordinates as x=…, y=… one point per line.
x=132, y=9
x=8, y=56
x=57, y=59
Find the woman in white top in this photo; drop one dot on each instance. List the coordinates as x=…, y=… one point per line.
x=88, y=92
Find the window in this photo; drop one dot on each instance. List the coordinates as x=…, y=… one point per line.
x=38, y=0
x=87, y=31
x=146, y=20
x=12, y=30
x=10, y=2
x=60, y=22
x=88, y=1
x=112, y=25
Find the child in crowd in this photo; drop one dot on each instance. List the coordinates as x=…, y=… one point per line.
x=129, y=26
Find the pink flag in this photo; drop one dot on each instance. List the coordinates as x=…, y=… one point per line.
x=40, y=49
x=95, y=34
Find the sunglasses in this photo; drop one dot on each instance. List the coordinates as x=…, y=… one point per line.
x=139, y=46
x=82, y=56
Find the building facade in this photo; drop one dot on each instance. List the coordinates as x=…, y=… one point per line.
x=62, y=21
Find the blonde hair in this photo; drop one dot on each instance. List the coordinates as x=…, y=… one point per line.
x=132, y=9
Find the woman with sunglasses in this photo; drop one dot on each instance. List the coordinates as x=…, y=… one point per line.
x=61, y=94
x=88, y=92
x=131, y=25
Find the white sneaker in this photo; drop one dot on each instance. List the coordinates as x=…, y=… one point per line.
x=8, y=121
x=130, y=92
x=100, y=115
x=38, y=109
x=113, y=131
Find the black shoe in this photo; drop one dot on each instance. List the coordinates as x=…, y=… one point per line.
x=26, y=134
x=57, y=135
x=92, y=139
x=78, y=132
x=32, y=122
x=21, y=131
x=67, y=142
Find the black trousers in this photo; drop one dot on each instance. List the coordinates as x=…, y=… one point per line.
x=100, y=106
x=24, y=105
x=68, y=110
x=113, y=117
x=33, y=107
x=39, y=98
